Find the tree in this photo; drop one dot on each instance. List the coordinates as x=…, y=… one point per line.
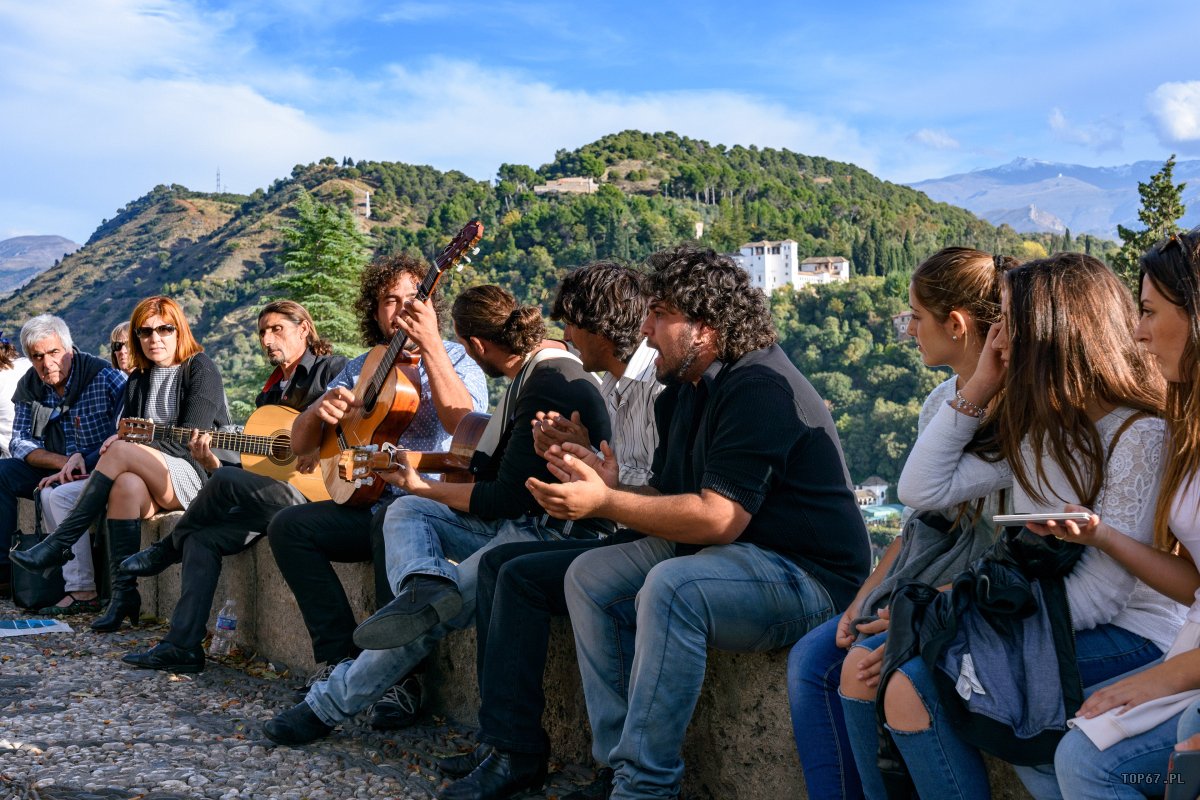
x=324, y=253
x=1162, y=207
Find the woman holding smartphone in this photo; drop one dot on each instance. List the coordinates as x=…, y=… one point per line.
x=955, y=298
x=1078, y=424
x=173, y=383
x=1125, y=731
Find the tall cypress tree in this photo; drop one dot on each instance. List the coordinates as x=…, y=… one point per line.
x=324, y=253
x=1162, y=207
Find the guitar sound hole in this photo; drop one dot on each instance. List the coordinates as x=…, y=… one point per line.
x=281, y=448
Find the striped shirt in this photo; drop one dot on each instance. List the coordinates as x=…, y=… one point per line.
x=630, y=402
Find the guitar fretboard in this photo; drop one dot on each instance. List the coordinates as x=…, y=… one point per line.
x=237, y=442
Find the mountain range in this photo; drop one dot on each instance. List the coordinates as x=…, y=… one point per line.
x=1031, y=195
x=23, y=257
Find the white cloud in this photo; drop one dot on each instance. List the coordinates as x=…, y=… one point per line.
x=938, y=140
x=1100, y=135
x=1175, y=109
x=136, y=93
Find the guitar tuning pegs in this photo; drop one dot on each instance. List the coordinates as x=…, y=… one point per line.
x=475, y=251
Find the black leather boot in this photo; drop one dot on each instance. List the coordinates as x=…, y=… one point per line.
x=55, y=549
x=124, y=539
x=153, y=560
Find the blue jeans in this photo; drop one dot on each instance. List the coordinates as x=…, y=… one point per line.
x=941, y=764
x=643, y=622
x=814, y=671
x=421, y=536
x=1132, y=768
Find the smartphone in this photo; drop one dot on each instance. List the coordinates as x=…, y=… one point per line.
x=1057, y=516
x=1183, y=775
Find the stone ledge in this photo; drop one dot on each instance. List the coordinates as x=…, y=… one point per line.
x=739, y=743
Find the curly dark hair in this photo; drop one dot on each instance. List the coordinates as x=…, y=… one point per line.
x=604, y=298
x=710, y=288
x=489, y=312
x=376, y=279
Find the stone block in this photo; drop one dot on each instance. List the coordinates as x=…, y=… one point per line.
x=739, y=743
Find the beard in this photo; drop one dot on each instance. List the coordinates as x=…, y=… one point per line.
x=677, y=373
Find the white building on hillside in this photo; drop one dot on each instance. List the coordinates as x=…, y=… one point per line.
x=873, y=487
x=823, y=269
x=774, y=265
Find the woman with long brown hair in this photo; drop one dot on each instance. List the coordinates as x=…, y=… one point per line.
x=1079, y=424
x=1131, y=726
x=173, y=383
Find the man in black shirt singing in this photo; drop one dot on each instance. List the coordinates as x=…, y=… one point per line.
x=753, y=534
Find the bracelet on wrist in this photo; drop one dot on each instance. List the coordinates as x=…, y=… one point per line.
x=965, y=406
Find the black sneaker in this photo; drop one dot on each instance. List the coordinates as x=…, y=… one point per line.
x=322, y=673
x=599, y=789
x=424, y=602
x=297, y=725
x=400, y=705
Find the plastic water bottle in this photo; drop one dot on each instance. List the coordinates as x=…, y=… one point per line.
x=222, y=639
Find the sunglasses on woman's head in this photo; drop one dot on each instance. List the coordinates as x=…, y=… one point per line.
x=1177, y=240
x=161, y=330
x=117, y=346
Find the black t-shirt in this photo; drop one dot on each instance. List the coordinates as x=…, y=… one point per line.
x=757, y=432
x=555, y=384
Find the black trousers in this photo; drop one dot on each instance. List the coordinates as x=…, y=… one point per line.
x=306, y=540
x=230, y=514
x=17, y=479
x=518, y=591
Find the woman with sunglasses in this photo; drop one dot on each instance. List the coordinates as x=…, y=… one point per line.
x=118, y=348
x=173, y=383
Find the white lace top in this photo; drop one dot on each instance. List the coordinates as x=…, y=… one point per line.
x=1099, y=590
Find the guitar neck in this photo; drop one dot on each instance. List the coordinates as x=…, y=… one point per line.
x=237, y=442
x=455, y=252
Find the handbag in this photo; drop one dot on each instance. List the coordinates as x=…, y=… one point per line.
x=35, y=589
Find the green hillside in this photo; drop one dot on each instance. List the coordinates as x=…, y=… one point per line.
x=217, y=254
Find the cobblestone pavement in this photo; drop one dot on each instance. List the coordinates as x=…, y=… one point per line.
x=77, y=724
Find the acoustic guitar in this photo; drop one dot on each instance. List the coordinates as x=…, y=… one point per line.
x=265, y=445
x=388, y=390
x=358, y=464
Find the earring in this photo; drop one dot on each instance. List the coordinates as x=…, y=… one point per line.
x=954, y=338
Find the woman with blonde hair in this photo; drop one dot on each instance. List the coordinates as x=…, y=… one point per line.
x=119, y=353
x=173, y=383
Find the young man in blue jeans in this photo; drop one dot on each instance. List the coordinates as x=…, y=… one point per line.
x=752, y=534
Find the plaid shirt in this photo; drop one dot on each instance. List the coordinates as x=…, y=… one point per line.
x=93, y=417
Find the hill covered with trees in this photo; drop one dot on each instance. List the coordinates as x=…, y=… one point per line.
x=223, y=255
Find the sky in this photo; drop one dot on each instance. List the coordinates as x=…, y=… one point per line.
x=101, y=100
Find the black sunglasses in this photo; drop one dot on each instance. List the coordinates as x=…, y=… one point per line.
x=1178, y=240
x=162, y=330
x=117, y=346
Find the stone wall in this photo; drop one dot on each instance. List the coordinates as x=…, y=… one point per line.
x=739, y=744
